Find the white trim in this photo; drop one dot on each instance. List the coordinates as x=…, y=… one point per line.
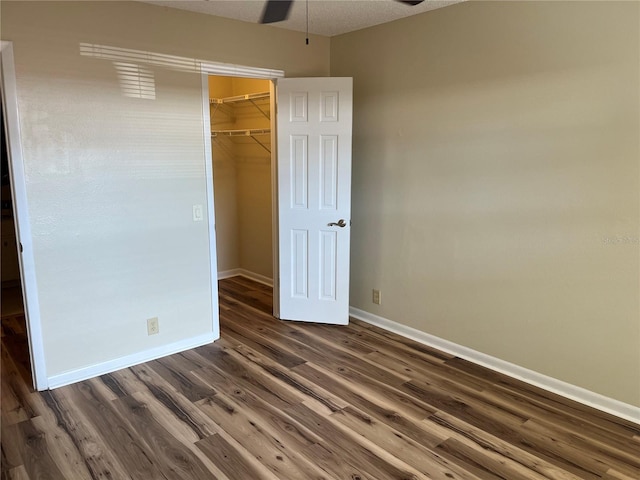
x=211, y=213
x=92, y=371
x=573, y=392
x=229, y=273
x=275, y=239
x=256, y=277
x=241, y=272
x=8, y=87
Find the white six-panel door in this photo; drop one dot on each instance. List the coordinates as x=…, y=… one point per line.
x=314, y=198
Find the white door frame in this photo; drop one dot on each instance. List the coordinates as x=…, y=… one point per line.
x=21, y=217
x=208, y=172
x=228, y=70
x=275, y=238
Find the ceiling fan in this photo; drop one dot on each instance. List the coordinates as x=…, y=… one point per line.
x=278, y=10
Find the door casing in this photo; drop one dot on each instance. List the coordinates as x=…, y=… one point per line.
x=21, y=217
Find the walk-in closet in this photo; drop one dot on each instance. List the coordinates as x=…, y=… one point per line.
x=240, y=110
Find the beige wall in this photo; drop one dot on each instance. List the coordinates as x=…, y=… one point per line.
x=496, y=182
x=111, y=179
x=254, y=187
x=164, y=30
x=224, y=180
x=254, y=213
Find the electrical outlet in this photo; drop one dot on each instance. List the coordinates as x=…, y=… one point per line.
x=377, y=297
x=153, y=326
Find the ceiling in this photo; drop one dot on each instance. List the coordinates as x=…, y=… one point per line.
x=326, y=17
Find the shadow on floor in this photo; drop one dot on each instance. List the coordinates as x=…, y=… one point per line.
x=14, y=331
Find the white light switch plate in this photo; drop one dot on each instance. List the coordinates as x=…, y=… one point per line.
x=197, y=213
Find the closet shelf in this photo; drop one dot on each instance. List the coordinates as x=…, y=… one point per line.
x=240, y=98
x=241, y=133
x=249, y=97
x=249, y=133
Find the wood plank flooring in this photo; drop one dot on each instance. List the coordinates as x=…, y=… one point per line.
x=282, y=400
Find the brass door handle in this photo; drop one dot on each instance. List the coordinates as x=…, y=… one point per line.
x=341, y=223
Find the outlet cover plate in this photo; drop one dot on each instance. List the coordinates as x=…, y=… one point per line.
x=153, y=326
x=377, y=297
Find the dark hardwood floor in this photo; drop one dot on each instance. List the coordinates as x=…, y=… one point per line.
x=282, y=400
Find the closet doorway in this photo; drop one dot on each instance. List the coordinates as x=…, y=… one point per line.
x=241, y=144
x=284, y=222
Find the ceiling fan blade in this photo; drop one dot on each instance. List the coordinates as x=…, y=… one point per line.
x=411, y=2
x=276, y=11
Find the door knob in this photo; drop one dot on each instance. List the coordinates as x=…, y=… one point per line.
x=341, y=223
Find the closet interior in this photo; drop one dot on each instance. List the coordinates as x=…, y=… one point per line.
x=240, y=110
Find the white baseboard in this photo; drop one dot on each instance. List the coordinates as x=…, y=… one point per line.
x=573, y=392
x=229, y=273
x=92, y=371
x=245, y=273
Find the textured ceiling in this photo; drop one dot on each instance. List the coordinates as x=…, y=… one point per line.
x=326, y=17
